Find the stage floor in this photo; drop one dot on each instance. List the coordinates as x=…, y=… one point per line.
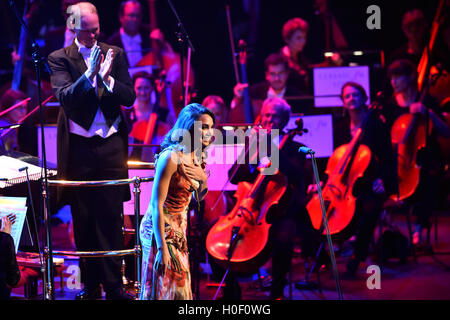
x=426, y=279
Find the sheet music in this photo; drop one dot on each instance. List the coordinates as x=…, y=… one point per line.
x=17, y=206
x=9, y=169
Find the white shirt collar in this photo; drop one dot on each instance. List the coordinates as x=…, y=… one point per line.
x=82, y=48
x=271, y=93
x=136, y=38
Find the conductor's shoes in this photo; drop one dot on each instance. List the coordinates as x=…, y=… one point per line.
x=89, y=294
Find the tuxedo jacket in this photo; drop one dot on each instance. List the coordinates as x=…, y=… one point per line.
x=79, y=100
x=146, y=44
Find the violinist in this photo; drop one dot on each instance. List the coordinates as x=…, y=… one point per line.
x=377, y=182
x=275, y=114
x=133, y=36
x=275, y=85
x=406, y=99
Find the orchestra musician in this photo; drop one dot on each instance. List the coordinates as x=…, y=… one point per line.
x=406, y=99
x=133, y=36
x=378, y=181
x=218, y=107
x=275, y=113
x=138, y=115
x=415, y=28
x=295, y=34
x=91, y=81
x=275, y=85
x=9, y=269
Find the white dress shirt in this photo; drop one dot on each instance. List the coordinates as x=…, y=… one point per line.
x=98, y=126
x=272, y=94
x=132, y=47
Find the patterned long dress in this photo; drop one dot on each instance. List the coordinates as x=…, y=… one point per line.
x=175, y=284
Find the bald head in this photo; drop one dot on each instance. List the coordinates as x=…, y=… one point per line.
x=84, y=21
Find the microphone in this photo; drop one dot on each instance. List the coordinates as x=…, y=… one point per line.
x=306, y=150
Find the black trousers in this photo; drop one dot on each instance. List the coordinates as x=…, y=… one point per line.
x=97, y=212
x=367, y=212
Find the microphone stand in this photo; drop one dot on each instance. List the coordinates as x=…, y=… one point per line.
x=235, y=236
x=40, y=62
x=324, y=219
x=182, y=38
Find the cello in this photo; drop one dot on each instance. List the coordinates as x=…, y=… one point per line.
x=347, y=163
x=239, y=240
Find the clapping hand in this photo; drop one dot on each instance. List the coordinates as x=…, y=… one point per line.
x=94, y=62
x=106, y=65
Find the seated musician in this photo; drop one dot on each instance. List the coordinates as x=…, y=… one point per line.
x=275, y=85
x=378, y=181
x=406, y=99
x=133, y=36
x=415, y=29
x=10, y=141
x=9, y=269
x=295, y=33
x=138, y=115
x=275, y=114
x=218, y=107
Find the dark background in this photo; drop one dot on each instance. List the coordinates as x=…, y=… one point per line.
x=205, y=22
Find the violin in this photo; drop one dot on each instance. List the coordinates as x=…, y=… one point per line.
x=347, y=163
x=239, y=240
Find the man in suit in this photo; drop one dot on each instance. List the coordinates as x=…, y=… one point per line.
x=275, y=85
x=91, y=81
x=133, y=36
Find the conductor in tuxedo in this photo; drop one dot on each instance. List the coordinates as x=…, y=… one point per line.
x=91, y=81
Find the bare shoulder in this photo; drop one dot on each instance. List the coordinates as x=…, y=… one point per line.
x=168, y=161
